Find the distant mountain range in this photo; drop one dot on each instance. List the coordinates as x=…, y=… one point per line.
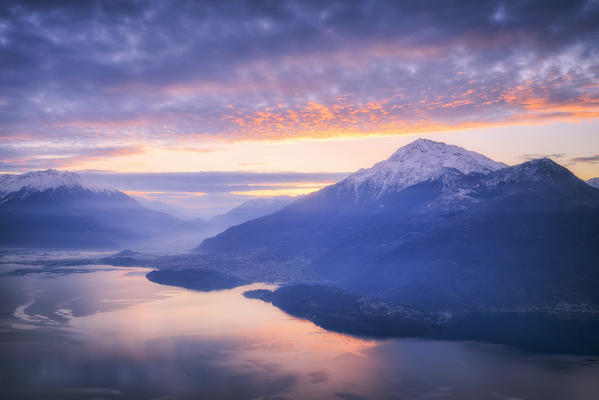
x=246, y=211
x=59, y=209
x=435, y=227
x=168, y=208
x=250, y=209
x=594, y=182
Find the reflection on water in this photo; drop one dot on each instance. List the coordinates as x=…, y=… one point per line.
x=111, y=333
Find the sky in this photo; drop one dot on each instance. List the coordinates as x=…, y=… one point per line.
x=304, y=87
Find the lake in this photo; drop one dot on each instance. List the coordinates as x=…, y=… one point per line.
x=103, y=332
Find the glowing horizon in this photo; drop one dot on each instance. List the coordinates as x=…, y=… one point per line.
x=291, y=86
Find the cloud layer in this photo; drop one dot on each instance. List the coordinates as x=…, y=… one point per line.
x=119, y=77
x=206, y=194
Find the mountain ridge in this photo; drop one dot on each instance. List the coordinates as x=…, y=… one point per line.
x=345, y=197
x=60, y=209
x=516, y=237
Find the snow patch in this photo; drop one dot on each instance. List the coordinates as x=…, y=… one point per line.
x=39, y=181
x=419, y=161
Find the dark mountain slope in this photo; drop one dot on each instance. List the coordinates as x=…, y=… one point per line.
x=519, y=237
x=525, y=236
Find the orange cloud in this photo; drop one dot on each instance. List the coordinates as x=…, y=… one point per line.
x=470, y=104
x=526, y=105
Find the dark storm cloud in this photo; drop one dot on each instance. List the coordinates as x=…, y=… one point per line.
x=144, y=70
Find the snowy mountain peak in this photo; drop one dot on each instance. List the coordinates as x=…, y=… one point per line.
x=416, y=162
x=431, y=154
x=416, y=147
x=39, y=181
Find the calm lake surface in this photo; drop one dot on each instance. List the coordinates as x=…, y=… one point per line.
x=100, y=332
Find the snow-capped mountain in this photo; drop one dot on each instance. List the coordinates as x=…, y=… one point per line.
x=39, y=181
x=60, y=209
x=349, y=205
x=594, y=182
x=419, y=161
x=456, y=192
x=449, y=230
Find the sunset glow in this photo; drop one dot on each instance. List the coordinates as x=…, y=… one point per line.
x=336, y=90
x=186, y=112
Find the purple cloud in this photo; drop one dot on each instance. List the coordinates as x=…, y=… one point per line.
x=156, y=72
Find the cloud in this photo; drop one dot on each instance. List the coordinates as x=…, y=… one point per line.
x=210, y=182
x=26, y=157
x=590, y=159
x=528, y=157
x=156, y=72
x=319, y=376
x=206, y=194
